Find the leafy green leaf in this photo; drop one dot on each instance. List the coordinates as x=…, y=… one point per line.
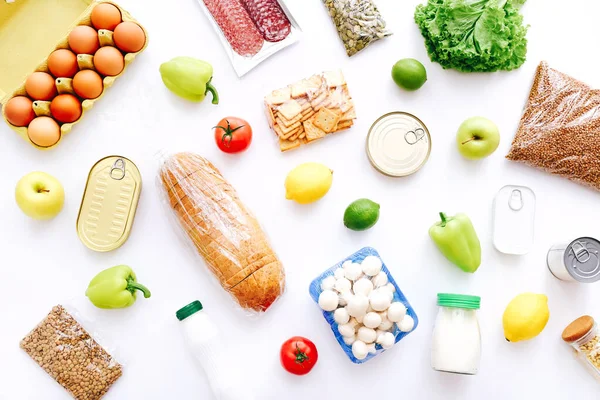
x=474, y=35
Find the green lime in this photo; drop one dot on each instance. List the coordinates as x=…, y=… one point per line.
x=361, y=215
x=409, y=74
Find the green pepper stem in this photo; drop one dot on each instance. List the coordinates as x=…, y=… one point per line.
x=132, y=285
x=444, y=219
x=215, y=95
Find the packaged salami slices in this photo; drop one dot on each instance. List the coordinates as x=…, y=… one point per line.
x=251, y=30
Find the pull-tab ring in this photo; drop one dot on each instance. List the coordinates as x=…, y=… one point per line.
x=581, y=253
x=515, y=201
x=117, y=172
x=412, y=137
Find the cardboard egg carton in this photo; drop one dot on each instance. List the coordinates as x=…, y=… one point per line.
x=26, y=38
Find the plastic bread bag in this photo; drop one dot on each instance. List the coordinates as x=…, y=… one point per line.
x=71, y=355
x=251, y=30
x=222, y=230
x=310, y=109
x=559, y=131
x=358, y=22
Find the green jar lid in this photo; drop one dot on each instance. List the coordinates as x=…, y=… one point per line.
x=188, y=310
x=458, y=301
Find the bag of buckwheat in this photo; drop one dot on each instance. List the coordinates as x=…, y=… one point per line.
x=559, y=131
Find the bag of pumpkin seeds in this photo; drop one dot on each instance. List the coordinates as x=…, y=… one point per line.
x=358, y=22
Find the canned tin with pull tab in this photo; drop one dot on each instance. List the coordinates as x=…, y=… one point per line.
x=578, y=261
x=109, y=203
x=398, y=144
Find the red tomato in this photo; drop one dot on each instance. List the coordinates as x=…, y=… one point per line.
x=233, y=135
x=299, y=355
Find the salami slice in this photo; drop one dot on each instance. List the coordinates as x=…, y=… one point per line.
x=237, y=26
x=269, y=18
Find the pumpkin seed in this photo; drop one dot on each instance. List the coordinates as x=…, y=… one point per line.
x=358, y=22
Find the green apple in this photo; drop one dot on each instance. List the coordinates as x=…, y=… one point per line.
x=477, y=138
x=40, y=195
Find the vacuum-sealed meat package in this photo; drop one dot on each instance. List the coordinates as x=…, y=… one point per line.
x=251, y=30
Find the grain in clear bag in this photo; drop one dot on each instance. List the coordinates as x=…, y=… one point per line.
x=71, y=355
x=358, y=22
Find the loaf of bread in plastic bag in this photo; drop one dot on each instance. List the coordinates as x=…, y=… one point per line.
x=223, y=231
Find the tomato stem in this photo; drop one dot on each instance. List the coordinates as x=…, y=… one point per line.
x=300, y=356
x=228, y=133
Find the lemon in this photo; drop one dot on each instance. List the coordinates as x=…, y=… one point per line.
x=525, y=317
x=308, y=182
x=409, y=74
x=361, y=215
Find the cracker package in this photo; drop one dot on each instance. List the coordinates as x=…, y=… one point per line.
x=310, y=109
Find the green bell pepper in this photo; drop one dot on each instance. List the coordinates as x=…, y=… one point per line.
x=189, y=78
x=456, y=238
x=115, y=288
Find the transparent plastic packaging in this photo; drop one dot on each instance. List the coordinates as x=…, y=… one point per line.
x=70, y=355
x=358, y=22
x=316, y=288
x=251, y=30
x=310, y=109
x=223, y=231
x=559, y=131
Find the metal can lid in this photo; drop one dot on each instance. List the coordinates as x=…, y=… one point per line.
x=582, y=259
x=398, y=144
x=109, y=203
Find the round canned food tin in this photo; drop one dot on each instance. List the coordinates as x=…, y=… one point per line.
x=579, y=261
x=398, y=144
x=109, y=203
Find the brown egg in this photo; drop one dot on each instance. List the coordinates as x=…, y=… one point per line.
x=44, y=131
x=65, y=108
x=106, y=16
x=87, y=84
x=83, y=39
x=63, y=63
x=40, y=86
x=129, y=37
x=109, y=61
x=19, y=111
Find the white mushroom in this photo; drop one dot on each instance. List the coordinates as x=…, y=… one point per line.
x=343, y=285
x=396, y=312
x=390, y=286
x=328, y=283
x=367, y=335
x=372, y=320
x=339, y=273
x=346, y=330
x=341, y=316
x=357, y=305
x=352, y=271
x=371, y=348
x=359, y=350
x=386, y=324
x=345, y=297
x=387, y=340
x=381, y=279
x=407, y=324
x=379, y=334
x=379, y=300
x=359, y=318
x=371, y=265
x=363, y=286
x=328, y=300
x=349, y=339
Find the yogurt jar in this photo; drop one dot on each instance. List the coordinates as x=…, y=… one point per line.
x=578, y=261
x=456, y=341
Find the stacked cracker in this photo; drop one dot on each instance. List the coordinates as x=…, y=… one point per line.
x=310, y=109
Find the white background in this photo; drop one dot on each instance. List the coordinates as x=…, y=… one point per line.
x=44, y=263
